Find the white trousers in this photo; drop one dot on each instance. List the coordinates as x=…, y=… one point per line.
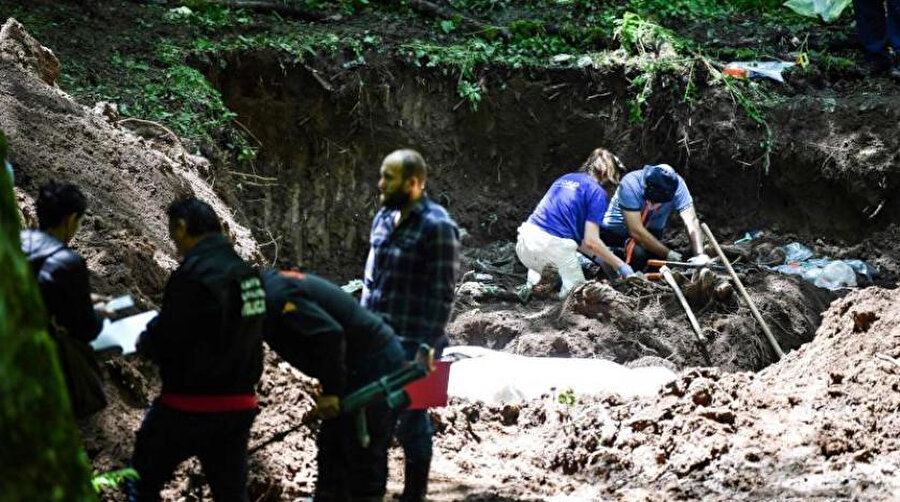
x=537, y=249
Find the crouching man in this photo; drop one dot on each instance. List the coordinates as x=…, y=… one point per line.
x=636, y=218
x=321, y=330
x=207, y=342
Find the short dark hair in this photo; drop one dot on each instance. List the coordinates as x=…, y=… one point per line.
x=58, y=200
x=413, y=164
x=198, y=216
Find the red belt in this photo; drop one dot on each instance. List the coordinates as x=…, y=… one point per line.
x=209, y=404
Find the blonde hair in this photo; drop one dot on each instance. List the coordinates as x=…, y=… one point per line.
x=605, y=167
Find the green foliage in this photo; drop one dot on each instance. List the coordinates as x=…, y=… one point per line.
x=527, y=46
x=639, y=36
x=41, y=456
x=697, y=9
x=829, y=62
x=168, y=91
x=471, y=92
x=208, y=17
x=567, y=397
x=448, y=25
x=112, y=480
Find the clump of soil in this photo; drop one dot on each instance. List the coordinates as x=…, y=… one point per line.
x=821, y=422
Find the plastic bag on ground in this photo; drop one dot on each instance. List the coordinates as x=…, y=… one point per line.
x=864, y=269
x=796, y=252
x=836, y=275
x=758, y=69
x=829, y=10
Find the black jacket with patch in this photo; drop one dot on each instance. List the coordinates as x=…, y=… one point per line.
x=207, y=339
x=320, y=329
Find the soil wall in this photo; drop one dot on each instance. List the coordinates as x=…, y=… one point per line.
x=324, y=129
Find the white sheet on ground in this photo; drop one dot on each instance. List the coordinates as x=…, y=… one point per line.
x=123, y=333
x=493, y=377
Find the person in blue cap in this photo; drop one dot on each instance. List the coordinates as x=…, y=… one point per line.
x=636, y=218
x=567, y=221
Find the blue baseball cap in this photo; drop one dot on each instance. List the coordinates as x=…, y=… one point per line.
x=660, y=183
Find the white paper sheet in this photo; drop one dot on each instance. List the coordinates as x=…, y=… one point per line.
x=123, y=333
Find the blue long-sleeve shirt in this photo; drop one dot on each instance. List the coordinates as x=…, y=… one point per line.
x=412, y=269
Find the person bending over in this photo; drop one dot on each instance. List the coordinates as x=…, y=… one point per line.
x=636, y=218
x=322, y=331
x=567, y=221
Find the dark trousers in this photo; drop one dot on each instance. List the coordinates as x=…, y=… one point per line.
x=168, y=437
x=347, y=470
x=878, y=24
x=617, y=244
x=415, y=433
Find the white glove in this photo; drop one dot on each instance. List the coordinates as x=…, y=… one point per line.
x=674, y=256
x=700, y=260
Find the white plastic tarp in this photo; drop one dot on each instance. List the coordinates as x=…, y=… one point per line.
x=123, y=333
x=494, y=377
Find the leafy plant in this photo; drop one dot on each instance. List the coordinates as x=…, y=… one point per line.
x=639, y=36
x=567, y=397
x=448, y=25
x=112, y=480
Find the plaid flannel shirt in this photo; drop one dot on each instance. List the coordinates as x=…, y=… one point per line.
x=412, y=269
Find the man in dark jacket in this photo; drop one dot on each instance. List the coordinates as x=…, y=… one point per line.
x=207, y=341
x=325, y=333
x=62, y=277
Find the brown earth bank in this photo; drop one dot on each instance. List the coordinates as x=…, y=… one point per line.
x=819, y=425
x=324, y=130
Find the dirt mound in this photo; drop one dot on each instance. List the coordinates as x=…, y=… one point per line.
x=624, y=321
x=822, y=423
x=819, y=425
x=128, y=180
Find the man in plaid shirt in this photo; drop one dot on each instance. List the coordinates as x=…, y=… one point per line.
x=410, y=280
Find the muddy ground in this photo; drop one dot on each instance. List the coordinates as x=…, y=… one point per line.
x=819, y=425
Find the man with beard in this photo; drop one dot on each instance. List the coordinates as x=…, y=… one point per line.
x=410, y=279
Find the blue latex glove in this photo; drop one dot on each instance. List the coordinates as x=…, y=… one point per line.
x=625, y=270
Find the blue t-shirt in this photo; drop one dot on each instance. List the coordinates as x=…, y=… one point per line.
x=630, y=197
x=572, y=199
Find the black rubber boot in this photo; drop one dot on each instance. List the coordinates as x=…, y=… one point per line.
x=415, y=481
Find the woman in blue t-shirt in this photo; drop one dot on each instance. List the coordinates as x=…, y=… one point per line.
x=566, y=221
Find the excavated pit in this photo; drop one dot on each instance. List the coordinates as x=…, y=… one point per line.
x=323, y=130
x=825, y=415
